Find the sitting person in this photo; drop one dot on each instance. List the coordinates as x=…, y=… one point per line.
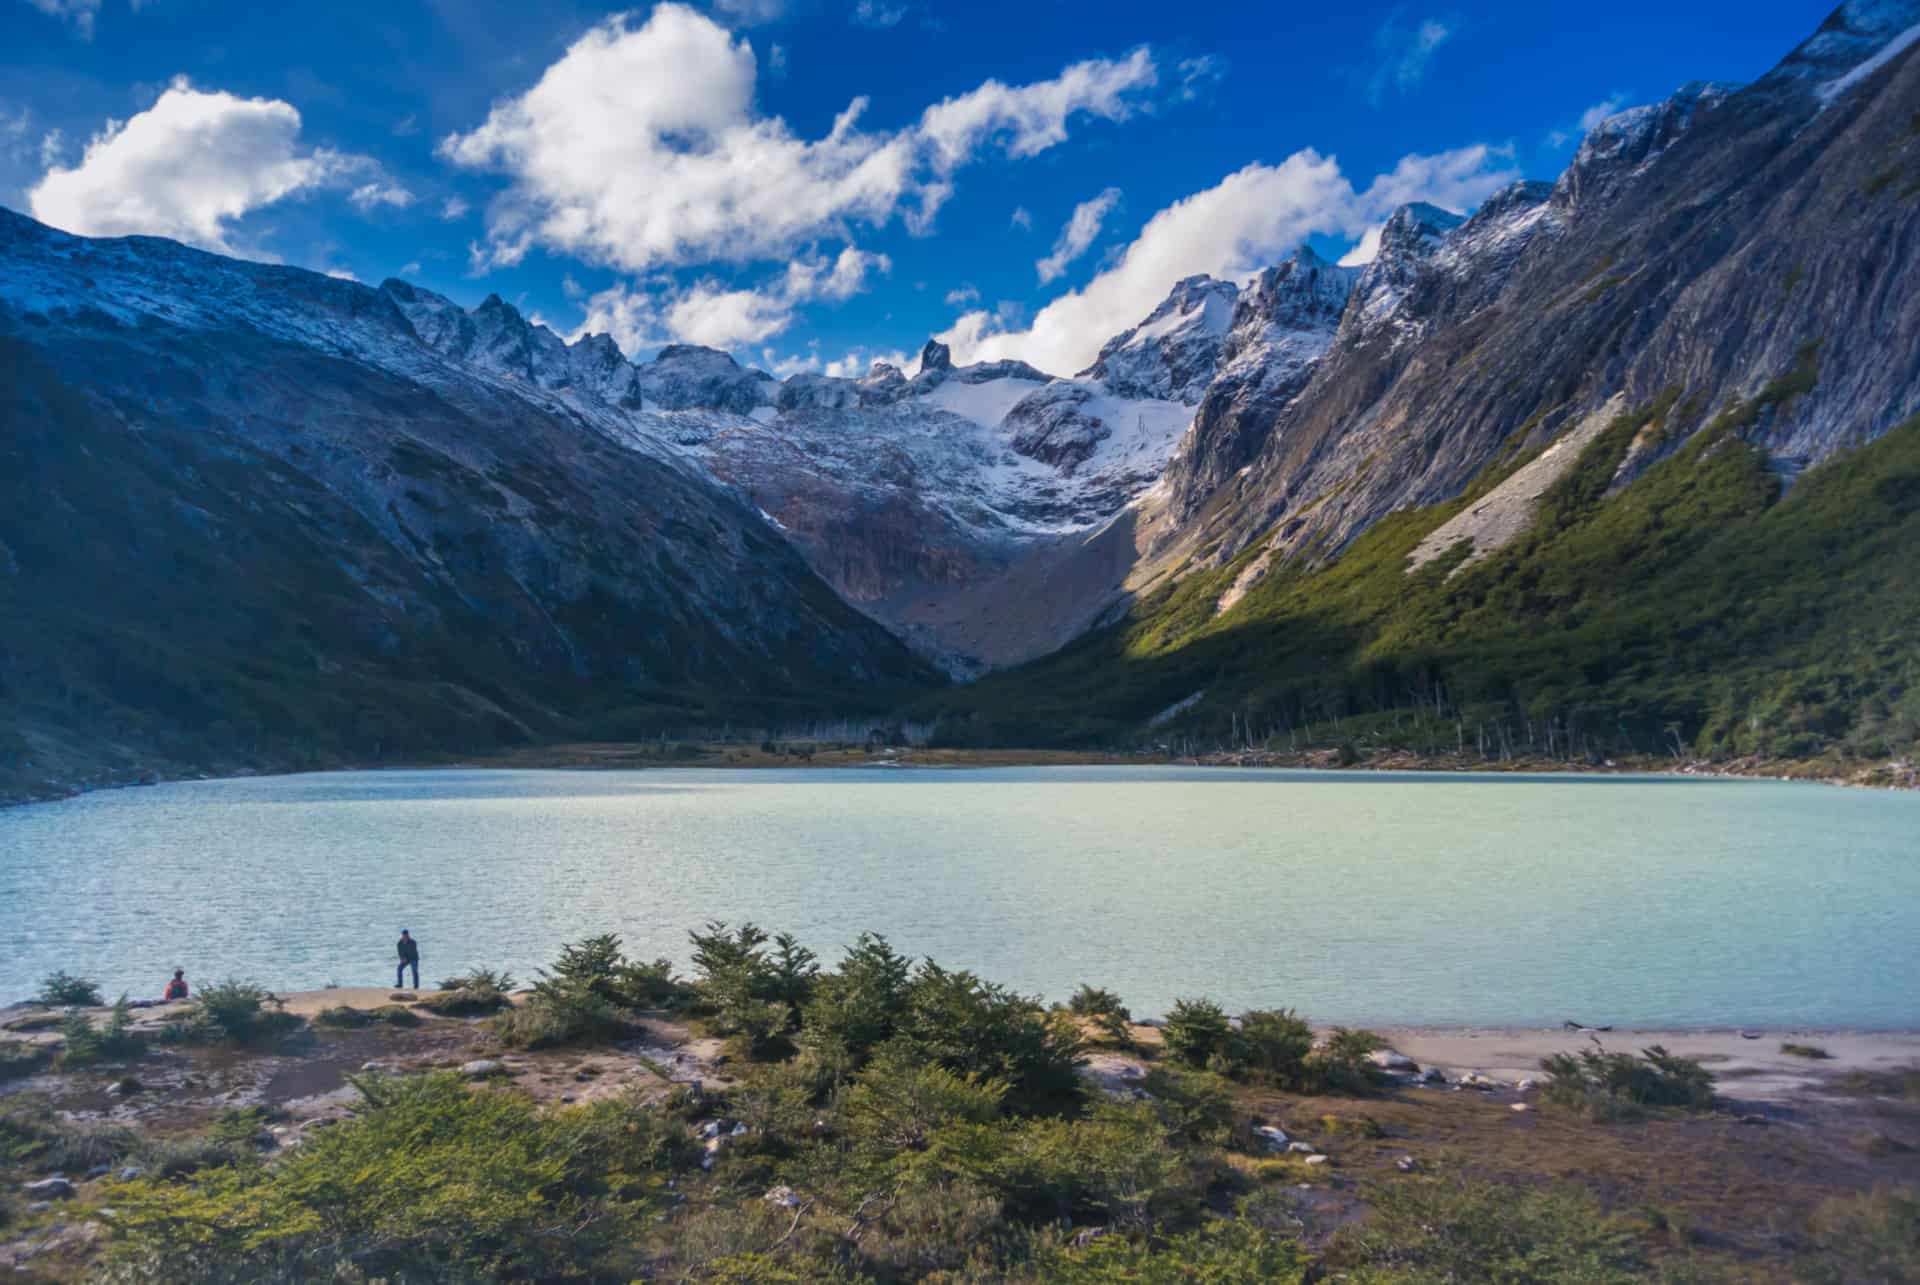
x=177, y=988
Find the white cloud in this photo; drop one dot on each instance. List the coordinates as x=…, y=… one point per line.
x=1367, y=249
x=640, y=147
x=1600, y=111
x=1028, y=119
x=1077, y=235
x=80, y=13
x=962, y=296
x=380, y=192
x=1022, y=218
x=879, y=13
x=720, y=316
x=1402, y=53
x=454, y=208
x=410, y=269
x=1197, y=75
x=1247, y=220
x=748, y=13
x=187, y=167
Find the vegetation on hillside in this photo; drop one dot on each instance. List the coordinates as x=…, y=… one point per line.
x=1692, y=609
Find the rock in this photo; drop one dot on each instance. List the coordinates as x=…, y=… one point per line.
x=39, y=1207
x=124, y=1087
x=1303, y=1148
x=368, y=1068
x=1316, y=1160
x=481, y=1068
x=1405, y=1164
x=1392, y=1060
x=54, y=1188
x=738, y=1131
x=1755, y=1118
x=568, y=1098
x=99, y=1171
x=784, y=1197
x=1276, y=1138
x=404, y=997
x=1519, y=1106
x=1525, y=1086
x=131, y=1172
x=1434, y=1075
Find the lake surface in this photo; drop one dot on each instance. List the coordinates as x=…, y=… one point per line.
x=1440, y=899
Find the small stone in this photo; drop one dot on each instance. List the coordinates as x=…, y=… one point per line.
x=99, y=1171
x=1435, y=1075
x=1525, y=1086
x=1519, y=1106
x=39, y=1207
x=481, y=1068
x=368, y=1068
x=130, y=1173
x=1395, y=1061
x=1316, y=1160
x=54, y=1188
x=1755, y=1118
x=784, y=1197
x=1302, y=1148
x=404, y=997
x=568, y=1098
x=1405, y=1164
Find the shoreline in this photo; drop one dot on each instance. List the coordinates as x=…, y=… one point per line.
x=1749, y=1062
x=1895, y=774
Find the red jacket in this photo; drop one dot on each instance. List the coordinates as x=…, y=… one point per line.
x=176, y=989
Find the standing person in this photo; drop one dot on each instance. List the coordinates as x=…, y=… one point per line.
x=177, y=988
x=409, y=958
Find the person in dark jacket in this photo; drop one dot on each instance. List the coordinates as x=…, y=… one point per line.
x=177, y=988
x=409, y=958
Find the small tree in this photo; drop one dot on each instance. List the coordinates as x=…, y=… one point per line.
x=1196, y=1030
x=64, y=990
x=1274, y=1043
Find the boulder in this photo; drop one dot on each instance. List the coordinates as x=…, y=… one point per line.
x=1276, y=1139
x=54, y=1188
x=1392, y=1060
x=784, y=1197
x=1405, y=1164
x=1303, y=1148
x=481, y=1068
x=1316, y=1159
x=131, y=1172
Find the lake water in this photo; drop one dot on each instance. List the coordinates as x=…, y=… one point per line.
x=1441, y=899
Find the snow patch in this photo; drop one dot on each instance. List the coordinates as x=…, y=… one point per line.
x=1891, y=50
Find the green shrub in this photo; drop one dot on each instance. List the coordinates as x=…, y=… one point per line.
x=858, y=1005
x=117, y=1041
x=1608, y=1086
x=1195, y=1107
x=467, y=1185
x=561, y=1012
x=1873, y=1237
x=621, y=1147
x=1092, y=1001
x=1273, y=1044
x=64, y=990
x=1442, y=1229
x=19, y=1058
x=653, y=985
x=976, y=1028
x=1221, y=1251
x=592, y=965
x=234, y=1011
x=34, y=1136
x=355, y=1018
x=897, y=1103
x=471, y=1000
x=479, y=979
x=1196, y=1030
x=1342, y=1063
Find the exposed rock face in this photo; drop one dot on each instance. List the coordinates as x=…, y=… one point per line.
x=1173, y=354
x=1710, y=244
x=254, y=517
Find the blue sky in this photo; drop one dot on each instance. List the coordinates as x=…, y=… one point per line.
x=813, y=183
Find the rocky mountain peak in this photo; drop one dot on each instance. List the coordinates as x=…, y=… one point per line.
x=935, y=356
x=1856, y=39
x=1626, y=142
x=691, y=377
x=1173, y=353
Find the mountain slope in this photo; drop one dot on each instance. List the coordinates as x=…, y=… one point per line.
x=1624, y=452
x=249, y=518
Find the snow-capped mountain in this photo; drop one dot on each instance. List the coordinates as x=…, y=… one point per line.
x=1172, y=355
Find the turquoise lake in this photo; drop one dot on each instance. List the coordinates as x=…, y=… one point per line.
x=1385, y=898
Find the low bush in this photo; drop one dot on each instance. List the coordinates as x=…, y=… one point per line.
x=1812, y=1052
x=64, y=990
x=35, y=1137
x=560, y=1012
x=83, y=1044
x=1196, y=1031
x=19, y=1058
x=1873, y=1237
x=1194, y=1107
x=1272, y=1044
x=479, y=979
x=1220, y=1251
x=345, y=1018
x=1446, y=1228
x=1343, y=1063
x=1612, y=1086
x=234, y=1012
x=1107, y=1014
x=897, y=1103
x=473, y=1000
